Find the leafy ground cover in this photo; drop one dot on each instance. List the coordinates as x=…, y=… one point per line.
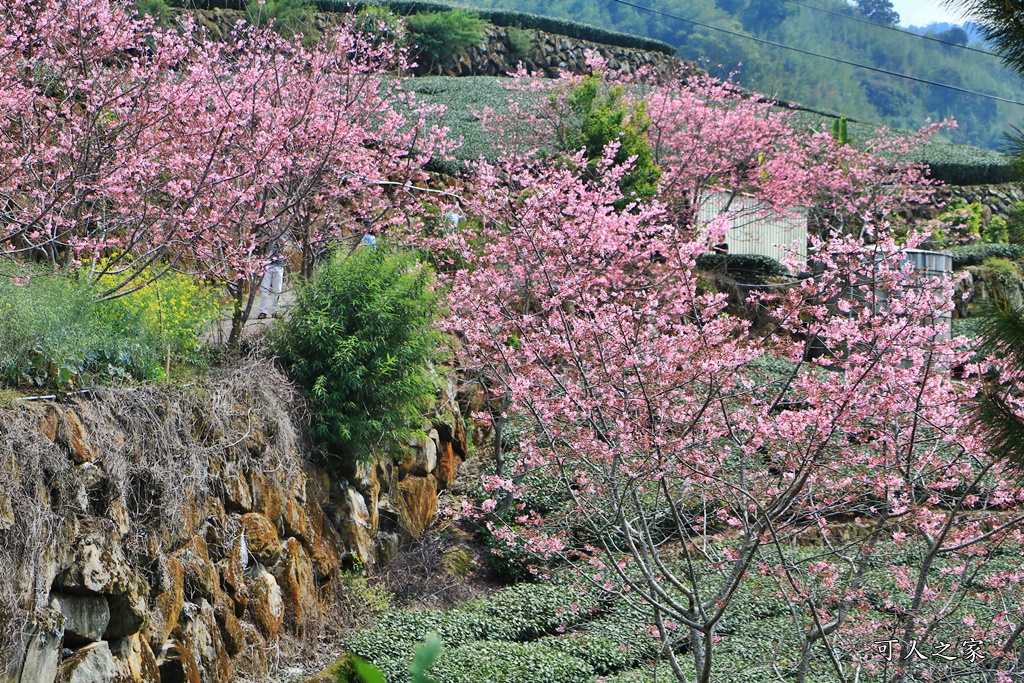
x=560, y=633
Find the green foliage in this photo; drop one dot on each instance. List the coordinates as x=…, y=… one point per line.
x=289, y=17
x=489, y=662
x=1015, y=224
x=960, y=222
x=423, y=660
x=839, y=131
x=158, y=9
x=170, y=312
x=605, y=116
x=996, y=232
x=742, y=264
x=528, y=611
x=521, y=41
x=360, y=339
x=380, y=22
x=56, y=334
x=440, y=34
x=976, y=254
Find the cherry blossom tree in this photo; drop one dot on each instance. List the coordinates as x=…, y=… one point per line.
x=697, y=451
x=127, y=146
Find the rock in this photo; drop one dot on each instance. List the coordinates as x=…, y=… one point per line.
x=420, y=458
x=85, y=617
x=325, y=546
x=134, y=661
x=354, y=525
x=293, y=517
x=417, y=504
x=97, y=565
x=447, y=466
x=167, y=604
x=225, y=611
x=200, y=577
x=71, y=434
x=129, y=611
x=199, y=654
x=232, y=567
x=261, y=538
x=42, y=648
x=266, y=603
x=94, y=663
x=237, y=496
x=266, y=494
x=298, y=584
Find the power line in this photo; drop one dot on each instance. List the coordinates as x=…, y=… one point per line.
x=821, y=56
x=891, y=28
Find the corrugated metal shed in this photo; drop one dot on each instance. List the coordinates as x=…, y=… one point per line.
x=756, y=229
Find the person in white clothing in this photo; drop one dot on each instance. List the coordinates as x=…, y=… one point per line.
x=273, y=283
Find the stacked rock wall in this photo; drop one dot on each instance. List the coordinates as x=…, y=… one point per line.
x=500, y=55
x=176, y=535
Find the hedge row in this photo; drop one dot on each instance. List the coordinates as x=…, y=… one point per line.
x=498, y=17
x=743, y=264
x=976, y=254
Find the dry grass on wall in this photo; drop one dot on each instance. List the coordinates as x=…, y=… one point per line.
x=157, y=451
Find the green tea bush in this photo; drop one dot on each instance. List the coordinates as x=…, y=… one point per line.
x=961, y=222
x=55, y=333
x=742, y=264
x=612, y=643
x=976, y=254
x=440, y=34
x=396, y=634
x=528, y=611
x=504, y=662
x=361, y=340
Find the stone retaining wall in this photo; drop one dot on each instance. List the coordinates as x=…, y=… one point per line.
x=160, y=535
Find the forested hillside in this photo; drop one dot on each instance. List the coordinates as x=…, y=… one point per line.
x=811, y=81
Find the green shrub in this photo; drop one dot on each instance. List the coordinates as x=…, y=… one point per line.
x=996, y=232
x=56, y=334
x=1015, y=224
x=521, y=41
x=612, y=643
x=158, y=9
x=361, y=340
x=171, y=312
x=742, y=264
x=960, y=222
x=504, y=662
x=380, y=22
x=604, y=116
x=440, y=34
x=289, y=17
x=976, y=254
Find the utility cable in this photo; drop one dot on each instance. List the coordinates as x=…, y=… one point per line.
x=891, y=28
x=820, y=56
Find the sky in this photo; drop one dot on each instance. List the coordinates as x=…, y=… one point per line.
x=924, y=12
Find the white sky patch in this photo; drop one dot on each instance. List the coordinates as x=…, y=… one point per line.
x=924, y=12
